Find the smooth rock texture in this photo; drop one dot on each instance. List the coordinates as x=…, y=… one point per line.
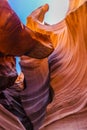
x=8, y=121
x=65, y=69
x=68, y=62
x=16, y=39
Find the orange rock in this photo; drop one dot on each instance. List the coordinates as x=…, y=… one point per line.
x=16, y=39
x=68, y=62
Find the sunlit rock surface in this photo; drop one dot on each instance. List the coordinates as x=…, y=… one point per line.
x=16, y=39
x=68, y=62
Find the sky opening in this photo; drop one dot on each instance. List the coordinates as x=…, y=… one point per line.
x=56, y=13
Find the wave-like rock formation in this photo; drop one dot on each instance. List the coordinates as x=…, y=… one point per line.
x=16, y=39
x=66, y=66
x=68, y=62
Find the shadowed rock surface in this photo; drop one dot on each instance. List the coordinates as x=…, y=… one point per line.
x=68, y=62
x=65, y=69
